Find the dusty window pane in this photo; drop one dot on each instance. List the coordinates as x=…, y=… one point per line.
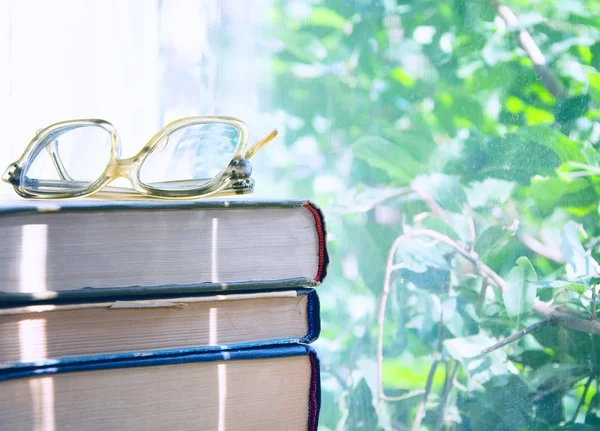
x=451, y=143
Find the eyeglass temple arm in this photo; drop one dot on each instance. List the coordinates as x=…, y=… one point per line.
x=260, y=144
x=52, y=149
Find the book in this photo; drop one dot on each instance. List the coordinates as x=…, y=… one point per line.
x=275, y=388
x=123, y=329
x=83, y=247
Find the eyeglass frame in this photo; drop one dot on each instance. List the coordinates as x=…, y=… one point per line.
x=234, y=179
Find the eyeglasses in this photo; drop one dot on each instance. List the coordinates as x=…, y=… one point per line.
x=190, y=158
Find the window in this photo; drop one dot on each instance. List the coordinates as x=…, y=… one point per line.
x=453, y=145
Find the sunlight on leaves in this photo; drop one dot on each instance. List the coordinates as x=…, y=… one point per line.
x=580, y=264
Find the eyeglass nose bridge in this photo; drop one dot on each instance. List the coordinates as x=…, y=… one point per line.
x=124, y=168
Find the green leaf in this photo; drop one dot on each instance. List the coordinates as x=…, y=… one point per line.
x=469, y=347
x=324, y=17
x=514, y=105
x=550, y=372
x=489, y=192
x=572, y=108
x=420, y=146
x=361, y=414
x=440, y=226
x=512, y=158
x=481, y=369
x=460, y=317
x=416, y=257
x=496, y=51
x=492, y=239
x=402, y=77
x=383, y=154
x=564, y=147
x=367, y=199
x=304, y=46
x=408, y=372
x=594, y=78
x=558, y=284
x=550, y=192
x=520, y=290
x=368, y=369
x=456, y=109
x=446, y=190
x=536, y=116
x=527, y=20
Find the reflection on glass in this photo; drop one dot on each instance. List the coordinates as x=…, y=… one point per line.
x=197, y=152
x=454, y=147
x=78, y=155
x=426, y=118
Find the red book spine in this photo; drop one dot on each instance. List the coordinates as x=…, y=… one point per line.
x=322, y=234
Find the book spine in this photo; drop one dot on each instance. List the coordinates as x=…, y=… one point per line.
x=313, y=317
x=322, y=237
x=314, y=398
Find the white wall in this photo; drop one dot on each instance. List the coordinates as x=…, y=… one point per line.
x=135, y=63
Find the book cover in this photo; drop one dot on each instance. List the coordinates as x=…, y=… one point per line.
x=174, y=390
x=43, y=334
x=94, y=249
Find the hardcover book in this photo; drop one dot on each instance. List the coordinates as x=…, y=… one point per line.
x=275, y=388
x=41, y=334
x=54, y=251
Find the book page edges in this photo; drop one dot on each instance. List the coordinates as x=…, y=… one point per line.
x=156, y=303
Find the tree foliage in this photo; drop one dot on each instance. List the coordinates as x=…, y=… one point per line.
x=437, y=122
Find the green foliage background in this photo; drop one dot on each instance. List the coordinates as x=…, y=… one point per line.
x=405, y=115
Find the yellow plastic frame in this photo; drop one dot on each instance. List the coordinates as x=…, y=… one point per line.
x=233, y=179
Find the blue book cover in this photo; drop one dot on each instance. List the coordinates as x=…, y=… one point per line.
x=275, y=387
x=42, y=335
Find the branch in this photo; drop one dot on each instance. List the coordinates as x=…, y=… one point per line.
x=425, y=195
x=516, y=336
x=560, y=387
x=583, y=396
x=482, y=293
x=437, y=354
x=386, y=288
x=575, y=323
x=450, y=376
x=422, y=405
x=397, y=194
x=543, y=309
x=533, y=52
x=540, y=307
x=549, y=252
x=471, y=224
x=405, y=396
x=369, y=205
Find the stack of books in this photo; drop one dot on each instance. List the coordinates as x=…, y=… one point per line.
x=154, y=315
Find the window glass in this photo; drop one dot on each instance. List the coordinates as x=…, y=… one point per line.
x=452, y=144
